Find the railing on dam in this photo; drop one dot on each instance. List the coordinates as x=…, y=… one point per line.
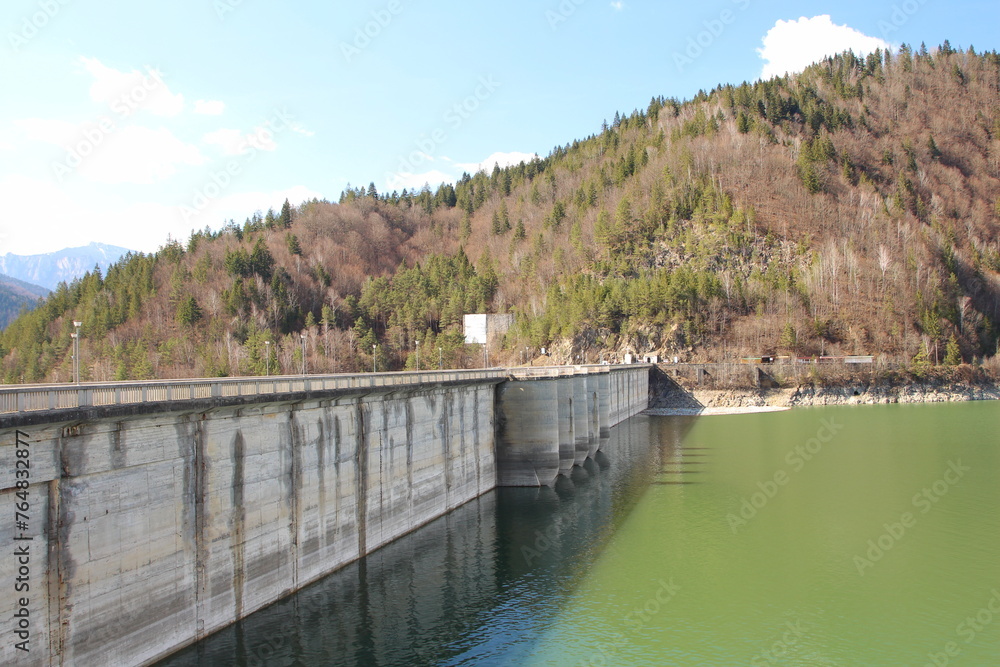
x=20, y=399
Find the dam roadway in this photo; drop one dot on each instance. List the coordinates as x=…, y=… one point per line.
x=145, y=516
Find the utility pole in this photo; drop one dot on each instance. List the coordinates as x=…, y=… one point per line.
x=76, y=351
x=303, y=354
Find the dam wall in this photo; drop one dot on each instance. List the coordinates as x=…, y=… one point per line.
x=539, y=416
x=159, y=513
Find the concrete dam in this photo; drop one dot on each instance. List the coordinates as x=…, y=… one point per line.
x=146, y=516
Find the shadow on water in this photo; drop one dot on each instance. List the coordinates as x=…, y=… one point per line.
x=477, y=586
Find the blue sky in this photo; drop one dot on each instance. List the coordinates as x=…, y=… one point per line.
x=123, y=122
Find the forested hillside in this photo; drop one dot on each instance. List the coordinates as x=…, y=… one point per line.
x=854, y=208
x=15, y=296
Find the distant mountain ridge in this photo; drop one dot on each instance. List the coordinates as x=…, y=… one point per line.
x=14, y=295
x=50, y=269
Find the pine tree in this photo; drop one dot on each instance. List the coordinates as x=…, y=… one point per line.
x=953, y=353
x=188, y=311
x=933, y=149
x=788, y=338
x=519, y=231
x=261, y=261
x=810, y=178
x=293, y=244
x=465, y=228
x=742, y=122
x=497, y=225
x=286, y=215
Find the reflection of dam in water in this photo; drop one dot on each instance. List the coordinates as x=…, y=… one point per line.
x=462, y=589
x=163, y=512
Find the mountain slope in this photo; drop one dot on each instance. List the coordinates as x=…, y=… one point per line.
x=50, y=269
x=853, y=209
x=16, y=295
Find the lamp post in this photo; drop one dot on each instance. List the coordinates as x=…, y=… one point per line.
x=418, y=355
x=76, y=350
x=303, y=336
x=374, y=359
x=441, y=358
x=267, y=358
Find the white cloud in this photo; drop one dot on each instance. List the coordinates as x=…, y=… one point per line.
x=240, y=205
x=209, y=107
x=56, y=132
x=57, y=219
x=126, y=92
x=791, y=46
x=61, y=218
x=234, y=142
x=139, y=155
x=227, y=139
x=299, y=128
x=410, y=181
x=500, y=159
x=127, y=154
x=435, y=177
x=618, y=5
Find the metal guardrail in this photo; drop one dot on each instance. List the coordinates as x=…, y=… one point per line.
x=20, y=399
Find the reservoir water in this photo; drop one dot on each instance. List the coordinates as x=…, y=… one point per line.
x=862, y=535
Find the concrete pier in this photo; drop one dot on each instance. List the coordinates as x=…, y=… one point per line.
x=162, y=512
x=537, y=415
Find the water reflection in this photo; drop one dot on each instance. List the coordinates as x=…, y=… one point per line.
x=478, y=585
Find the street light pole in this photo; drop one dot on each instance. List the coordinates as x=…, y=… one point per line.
x=76, y=350
x=303, y=354
x=441, y=358
x=418, y=355
x=267, y=358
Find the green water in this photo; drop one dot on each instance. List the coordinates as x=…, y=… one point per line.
x=824, y=536
x=793, y=538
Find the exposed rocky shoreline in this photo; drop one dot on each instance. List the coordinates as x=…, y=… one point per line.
x=665, y=394
x=859, y=395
